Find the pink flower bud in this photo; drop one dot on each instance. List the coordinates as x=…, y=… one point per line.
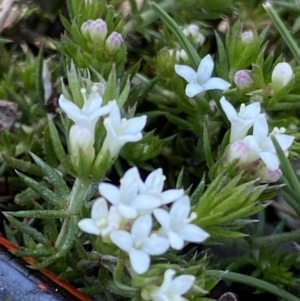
x=242, y=79
x=100, y=88
x=114, y=42
x=98, y=30
x=269, y=176
x=238, y=150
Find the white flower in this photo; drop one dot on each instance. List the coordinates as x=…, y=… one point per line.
x=171, y=289
x=120, y=131
x=139, y=245
x=176, y=224
x=281, y=76
x=201, y=80
x=126, y=198
x=82, y=133
x=242, y=121
x=153, y=185
x=179, y=54
x=261, y=142
x=247, y=36
x=89, y=114
x=102, y=221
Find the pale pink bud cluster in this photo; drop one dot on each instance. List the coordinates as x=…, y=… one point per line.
x=95, y=30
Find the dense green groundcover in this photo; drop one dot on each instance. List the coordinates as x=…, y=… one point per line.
x=149, y=149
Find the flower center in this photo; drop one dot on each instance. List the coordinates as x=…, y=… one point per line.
x=102, y=223
x=277, y=130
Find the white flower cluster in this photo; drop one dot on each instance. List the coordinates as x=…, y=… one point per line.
x=128, y=221
x=82, y=133
x=258, y=147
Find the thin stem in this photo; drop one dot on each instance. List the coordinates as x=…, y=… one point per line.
x=274, y=240
x=148, y=16
x=254, y=282
x=283, y=30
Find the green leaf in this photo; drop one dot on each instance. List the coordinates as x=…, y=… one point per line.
x=207, y=149
x=49, y=214
x=24, y=166
x=24, y=228
x=58, y=148
x=26, y=197
x=42, y=190
x=39, y=77
x=54, y=177
x=111, y=86
x=182, y=39
x=124, y=94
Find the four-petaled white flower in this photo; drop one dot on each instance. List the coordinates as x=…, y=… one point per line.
x=103, y=220
x=82, y=133
x=176, y=224
x=171, y=289
x=153, y=186
x=89, y=114
x=139, y=245
x=120, y=131
x=201, y=80
x=126, y=198
x=242, y=121
x=262, y=145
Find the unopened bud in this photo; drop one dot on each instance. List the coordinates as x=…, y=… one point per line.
x=268, y=176
x=98, y=30
x=281, y=76
x=242, y=79
x=238, y=151
x=247, y=36
x=114, y=42
x=193, y=32
x=85, y=28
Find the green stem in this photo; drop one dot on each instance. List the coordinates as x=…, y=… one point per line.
x=274, y=240
x=69, y=226
x=283, y=30
x=251, y=281
x=148, y=16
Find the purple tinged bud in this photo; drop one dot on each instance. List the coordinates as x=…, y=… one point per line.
x=242, y=79
x=85, y=28
x=114, y=42
x=247, y=36
x=98, y=30
x=100, y=88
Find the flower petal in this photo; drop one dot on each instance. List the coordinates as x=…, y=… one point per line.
x=110, y=192
x=180, y=210
x=145, y=202
x=127, y=211
x=72, y=111
x=270, y=159
x=142, y=227
x=163, y=218
x=193, y=233
x=171, y=195
x=176, y=241
x=155, y=180
x=156, y=245
x=135, y=125
x=186, y=72
x=251, y=111
x=285, y=141
x=140, y=261
x=182, y=284
x=99, y=209
x=115, y=115
x=93, y=103
x=89, y=226
x=216, y=83
x=122, y=239
x=260, y=127
x=193, y=89
x=228, y=109
x=205, y=69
